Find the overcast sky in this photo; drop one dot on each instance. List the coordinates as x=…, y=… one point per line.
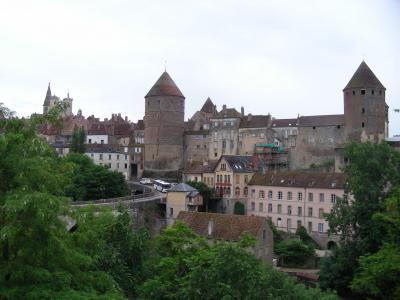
x=279, y=57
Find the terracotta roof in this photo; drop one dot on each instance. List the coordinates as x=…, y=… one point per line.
x=97, y=129
x=123, y=129
x=257, y=121
x=364, y=78
x=239, y=163
x=327, y=120
x=200, y=168
x=164, y=86
x=300, y=179
x=224, y=227
x=208, y=106
x=284, y=122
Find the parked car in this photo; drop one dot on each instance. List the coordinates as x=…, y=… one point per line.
x=145, y=181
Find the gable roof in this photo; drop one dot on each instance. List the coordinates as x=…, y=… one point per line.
x=200, y=168
x=300, y=179
x=164, y=86
x=227, y=113
x=257, y=121
x=364, y=77
x=97, y=129
x=238, y=163
x=327, y=120
x=224, y=227
x=208, y=106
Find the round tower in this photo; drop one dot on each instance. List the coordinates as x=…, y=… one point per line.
x=164, y=126
x=365, y=109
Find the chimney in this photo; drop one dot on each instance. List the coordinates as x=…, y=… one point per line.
x=126, y=118
x=248, y=117
x=242, y=111
x=224, y=107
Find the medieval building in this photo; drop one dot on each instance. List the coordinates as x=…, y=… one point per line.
x=163, y=127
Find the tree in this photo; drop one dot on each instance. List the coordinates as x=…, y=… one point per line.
x=38, y=258
x=78, y=143
x=238, y=209
x=294, y=252
x=187, y=267
x=379, y=273
x=205, y=191
x=372, y=174
x=91, y=182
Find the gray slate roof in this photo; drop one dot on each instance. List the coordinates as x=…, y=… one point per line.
x=327, y=120
x=182, y=187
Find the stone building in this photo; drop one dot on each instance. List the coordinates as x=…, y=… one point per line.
x=231, y=228
x=164, y=126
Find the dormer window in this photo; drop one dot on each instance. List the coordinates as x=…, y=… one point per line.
x=362, y=92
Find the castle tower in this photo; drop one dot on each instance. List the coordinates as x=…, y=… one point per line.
x=365, y=109
x=68, y=101
x=163, y=126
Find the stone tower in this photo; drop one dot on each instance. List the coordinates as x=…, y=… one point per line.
x=68, y=101
x=164, y=126
x=49, y=101
x=365, y=109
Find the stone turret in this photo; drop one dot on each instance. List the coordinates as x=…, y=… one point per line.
x=164, y=126
x=49, y=101
x=365, y=109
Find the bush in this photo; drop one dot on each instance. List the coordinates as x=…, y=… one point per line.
x=294, y=252
x=238, y=208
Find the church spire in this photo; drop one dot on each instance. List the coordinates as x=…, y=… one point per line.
x=48, y=96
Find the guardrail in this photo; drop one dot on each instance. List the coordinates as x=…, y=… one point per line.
x=114, y=200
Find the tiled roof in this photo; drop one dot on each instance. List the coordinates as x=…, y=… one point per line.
x=284, y=123
x=200, y=168
x=97, y=129
x=208, y=106
x=164, y=86
x=300, y=179
x=364, y=78
x=239, y=163
x=257, y=121
x=182, y=187
x=224, y=227
x=327, y=120
x=124, y=129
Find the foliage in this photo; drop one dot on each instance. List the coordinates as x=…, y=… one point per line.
x=379, y=273
x=239, y=208
x=91, y=182
x=187, y=267
x=78, y=143
x=294, y=252
x=372, y=174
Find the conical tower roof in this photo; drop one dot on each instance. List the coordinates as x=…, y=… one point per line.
x=164, y=86
x=48, y=96
x=208, y=106
x=363, y=78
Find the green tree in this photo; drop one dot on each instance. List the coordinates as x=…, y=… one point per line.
x=372, y=173
x=204, y=191
x=238, y=209
x=187, y=267
x=38, y=257
x=78, y=143
x=294, y=252
x=91, y=182
x=379, y=273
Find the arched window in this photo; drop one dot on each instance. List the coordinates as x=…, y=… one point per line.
x=246, y=191
x=237, y=191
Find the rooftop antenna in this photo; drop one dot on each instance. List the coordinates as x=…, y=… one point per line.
x=165, y=66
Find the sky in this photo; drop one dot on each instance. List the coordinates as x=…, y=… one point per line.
x=286, y=58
